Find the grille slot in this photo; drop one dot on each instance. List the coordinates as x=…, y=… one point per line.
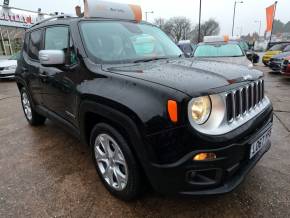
x=240, y=101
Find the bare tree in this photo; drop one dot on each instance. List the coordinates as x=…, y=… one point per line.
x=160, y=22
x=208, y=28
x=178, y=28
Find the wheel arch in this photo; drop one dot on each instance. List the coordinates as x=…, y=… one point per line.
x=91, y=113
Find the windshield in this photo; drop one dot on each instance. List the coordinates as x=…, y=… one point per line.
x=122, y=42
x=218, y=50
x=244, y=46
x=16, y=56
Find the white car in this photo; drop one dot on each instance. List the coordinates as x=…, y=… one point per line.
x=8, y=66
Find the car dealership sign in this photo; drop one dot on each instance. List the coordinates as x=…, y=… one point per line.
x=9, y=18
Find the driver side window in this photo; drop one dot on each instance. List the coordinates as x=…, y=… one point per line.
x=57, y=38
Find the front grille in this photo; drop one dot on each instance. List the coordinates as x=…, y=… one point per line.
x=241, y=101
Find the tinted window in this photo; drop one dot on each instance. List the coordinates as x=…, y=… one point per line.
x=26, y=42
x=218, y=50
x=56, y=38
x=35, y=44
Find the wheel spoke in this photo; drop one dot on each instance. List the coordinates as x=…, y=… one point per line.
x=105, y=143
x=120, y=177
x=108, y=175
x=118, y=157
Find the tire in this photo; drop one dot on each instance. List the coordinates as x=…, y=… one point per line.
x=33, y=118
x=126, y=177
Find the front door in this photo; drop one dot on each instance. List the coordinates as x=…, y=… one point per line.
x=59, y=88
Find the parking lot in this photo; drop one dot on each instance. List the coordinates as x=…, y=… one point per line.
x=46, y=172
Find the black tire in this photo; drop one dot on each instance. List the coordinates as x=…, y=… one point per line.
x=35, y=119
x=134, y=185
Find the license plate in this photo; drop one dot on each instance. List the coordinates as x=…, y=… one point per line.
x=260, y=143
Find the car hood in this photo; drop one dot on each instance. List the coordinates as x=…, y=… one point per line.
x=7, y=63
x=282, y=55
x=243, y=60
x=192, y=77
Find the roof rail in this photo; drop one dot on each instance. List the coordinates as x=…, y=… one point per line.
x=62, y=16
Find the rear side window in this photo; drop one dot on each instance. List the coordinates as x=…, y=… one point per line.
x=26, y=42
x=35, y=44
x=56, y=38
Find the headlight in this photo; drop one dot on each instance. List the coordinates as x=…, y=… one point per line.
x=200, y=109
x=12, y=67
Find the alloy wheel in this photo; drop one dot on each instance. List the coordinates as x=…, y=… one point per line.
x=26, y=106
x=111, y=162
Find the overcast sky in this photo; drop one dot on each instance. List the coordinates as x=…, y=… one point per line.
x=221, y=10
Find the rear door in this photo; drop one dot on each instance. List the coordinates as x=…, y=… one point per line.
x=33, y=43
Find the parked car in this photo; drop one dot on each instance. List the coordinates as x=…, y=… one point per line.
x=277, y=60
x=186, y=47
x=285, y=68
x=274, y=50
x=223, y=51
x=8, y=66
x=260, y=46
x=123, y=87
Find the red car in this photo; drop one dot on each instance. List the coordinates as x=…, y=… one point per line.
x=285, y=69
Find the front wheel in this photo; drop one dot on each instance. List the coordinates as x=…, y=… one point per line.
x=31, y=115
x=115, y=163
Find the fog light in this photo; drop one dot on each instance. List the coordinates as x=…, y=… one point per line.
x=204, y=156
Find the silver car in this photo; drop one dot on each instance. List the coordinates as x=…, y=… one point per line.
x=228, y=52
x=8, y=66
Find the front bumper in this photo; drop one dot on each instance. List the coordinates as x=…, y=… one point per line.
x=222, y=175
x=266, y=59
x=5, y=74
x=275, y=66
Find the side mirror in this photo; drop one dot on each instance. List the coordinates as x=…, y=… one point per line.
x=51, y=57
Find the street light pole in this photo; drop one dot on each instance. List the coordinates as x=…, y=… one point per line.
x=260, y=24
x=199, y=36
x=148, y=12
x=234, y=16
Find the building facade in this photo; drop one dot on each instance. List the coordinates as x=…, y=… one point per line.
x=13, y=22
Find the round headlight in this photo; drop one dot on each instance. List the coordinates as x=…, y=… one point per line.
x=200, y=109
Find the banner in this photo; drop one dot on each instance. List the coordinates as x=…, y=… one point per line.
x=105, y=9
x=270, y=14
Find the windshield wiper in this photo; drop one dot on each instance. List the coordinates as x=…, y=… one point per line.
x=149, y=59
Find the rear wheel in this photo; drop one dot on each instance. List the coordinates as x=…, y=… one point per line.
x=31, y=115
x=115, y=163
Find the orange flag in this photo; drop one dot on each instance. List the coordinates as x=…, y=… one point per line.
x=270, y=13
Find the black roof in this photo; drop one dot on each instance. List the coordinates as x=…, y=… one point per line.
x=70, y=20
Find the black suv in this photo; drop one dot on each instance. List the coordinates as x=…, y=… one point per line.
x=191, y=127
